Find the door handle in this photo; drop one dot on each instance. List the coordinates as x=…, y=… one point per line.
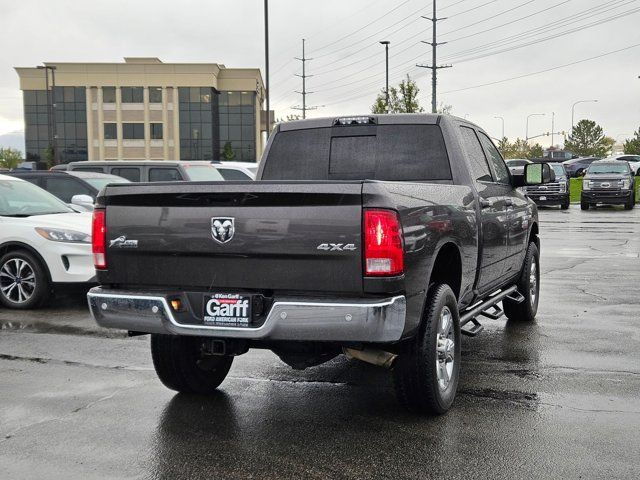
x=484, y=203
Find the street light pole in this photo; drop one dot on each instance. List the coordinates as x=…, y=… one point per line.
x=266, y=64
x=526, y=137
x=573, y=109
x=386, y=54
x=501, y=118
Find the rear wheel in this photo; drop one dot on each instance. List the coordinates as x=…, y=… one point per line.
x=529, y=287
x=182, y=364
x=426, y=375
x=24, y=282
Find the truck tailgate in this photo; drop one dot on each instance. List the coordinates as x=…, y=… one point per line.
x=276, y=230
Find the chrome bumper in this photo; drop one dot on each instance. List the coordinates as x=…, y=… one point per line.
x=308, y=319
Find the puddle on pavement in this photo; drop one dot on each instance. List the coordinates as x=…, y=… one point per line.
x=44, y=327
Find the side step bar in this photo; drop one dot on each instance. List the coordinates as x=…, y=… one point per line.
x=488, y=309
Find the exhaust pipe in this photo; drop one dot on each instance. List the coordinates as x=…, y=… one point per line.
x=373, y=356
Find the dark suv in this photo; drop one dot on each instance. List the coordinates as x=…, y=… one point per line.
x=555, y=193
x=577, y=166
x=610, y=183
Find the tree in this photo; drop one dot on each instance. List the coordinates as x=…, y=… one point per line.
x=49, y=156
x=10, y=157
x=587, y=139
x=289, y=118
x=535, y=151
x=632, y=146
x=402, y=99
x=227, y=152
x=519, y=149
x=444, y=108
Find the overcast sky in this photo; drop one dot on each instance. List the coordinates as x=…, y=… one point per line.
x=348, y=63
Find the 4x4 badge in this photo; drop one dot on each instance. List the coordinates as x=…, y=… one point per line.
x=222, y=229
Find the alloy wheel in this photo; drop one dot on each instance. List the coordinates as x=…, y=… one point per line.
x=445, y=349
x=17, y=280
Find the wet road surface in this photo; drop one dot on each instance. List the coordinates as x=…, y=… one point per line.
x=559, y=398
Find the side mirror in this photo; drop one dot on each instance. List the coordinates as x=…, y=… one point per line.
x=83, y=201
x=538, y=173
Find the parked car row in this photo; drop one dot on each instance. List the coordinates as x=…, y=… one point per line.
x=45, y=238
x=577, y=167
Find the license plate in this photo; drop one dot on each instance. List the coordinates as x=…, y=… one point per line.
x=227, y=309
x=543, y=198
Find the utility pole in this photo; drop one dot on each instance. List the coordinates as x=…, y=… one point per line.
x=386, y=54
x=266, y=63
x=304, y=77
x=434, y=66
x=553, y=126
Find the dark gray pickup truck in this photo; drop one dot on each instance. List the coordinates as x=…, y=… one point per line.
x=381, y=237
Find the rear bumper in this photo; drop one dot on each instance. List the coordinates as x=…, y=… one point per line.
x=296, y=319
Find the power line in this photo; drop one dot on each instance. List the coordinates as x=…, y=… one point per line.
x=511, y=22
x=557, y=67
x=550, y=37
x=554, y=25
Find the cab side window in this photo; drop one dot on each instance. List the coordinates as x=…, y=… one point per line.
x=65, y=188
x=130, y=173
x=499, y=167
x=480, y=171
x=164, y=175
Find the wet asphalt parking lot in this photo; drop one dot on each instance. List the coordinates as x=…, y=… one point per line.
x=559, y=398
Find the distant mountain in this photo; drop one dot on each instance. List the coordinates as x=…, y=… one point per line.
x=13, y=140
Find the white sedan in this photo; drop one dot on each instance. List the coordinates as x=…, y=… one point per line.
x=44, y=244
x=632, y=160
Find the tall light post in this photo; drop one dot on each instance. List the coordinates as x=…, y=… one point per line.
x=266, y=64
x=526, y=136
x=502, y=119
x=573, y=109
x=386, y=55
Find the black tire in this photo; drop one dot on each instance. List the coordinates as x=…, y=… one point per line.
x=32, y=288
x=631, y=203
x=415, y=374
x=181, y=366
x=526, y=310
x=564, y=205
x=584, y=205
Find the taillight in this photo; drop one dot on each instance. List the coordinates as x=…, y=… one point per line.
x=99, y=239
x=383, y=251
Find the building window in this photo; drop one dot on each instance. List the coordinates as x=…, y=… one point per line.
x=132, y=94
x=133, y=131
x=237, y=126
x=108, y=94
x=156, y=131
x=110, y=131
x=71, y=123
x=155, y=94
x=198, y=123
